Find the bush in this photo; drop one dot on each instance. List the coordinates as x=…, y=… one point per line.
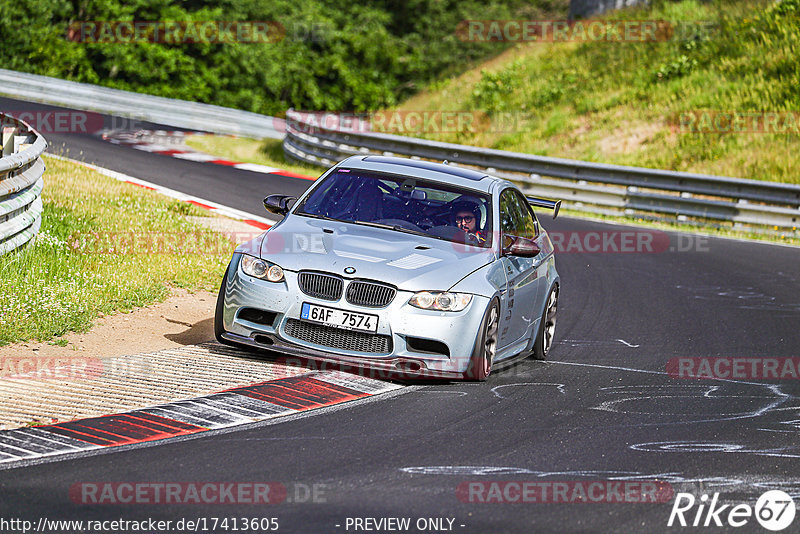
x=336, y=55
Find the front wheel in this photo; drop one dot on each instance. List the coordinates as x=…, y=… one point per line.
x=480, y=364
x=547, y=326
x=219, y=329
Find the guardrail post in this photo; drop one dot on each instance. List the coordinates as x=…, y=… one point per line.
x=20, y=143
x=8, y=140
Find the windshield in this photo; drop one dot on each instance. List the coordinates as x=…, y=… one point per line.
x=402, y=204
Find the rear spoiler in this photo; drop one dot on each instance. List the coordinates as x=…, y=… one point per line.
x=554, y=205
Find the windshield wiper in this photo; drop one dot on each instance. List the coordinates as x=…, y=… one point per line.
x=322, y=217
x=395, y=227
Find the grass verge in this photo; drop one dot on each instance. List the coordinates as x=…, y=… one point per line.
x=104, y=246
x=267, y=152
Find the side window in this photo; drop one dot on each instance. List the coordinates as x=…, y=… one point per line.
x=516, y=217
x=530, y=226
x=509, y=216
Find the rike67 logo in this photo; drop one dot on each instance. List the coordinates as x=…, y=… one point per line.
x=774, y=511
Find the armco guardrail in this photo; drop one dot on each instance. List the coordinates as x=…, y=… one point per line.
x=21, y=182
x=591, y=187
x=137, y=106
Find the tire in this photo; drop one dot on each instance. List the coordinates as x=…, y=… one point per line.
x=480, y=363
x=547, y=327
x=218, y=327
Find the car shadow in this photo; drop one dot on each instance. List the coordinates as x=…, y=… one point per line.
x=502, y=370
x=199, y=332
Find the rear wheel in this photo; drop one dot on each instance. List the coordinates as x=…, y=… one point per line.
x=547, y=326
x=480, y=365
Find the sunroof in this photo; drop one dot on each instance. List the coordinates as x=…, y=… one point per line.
x=430, y=166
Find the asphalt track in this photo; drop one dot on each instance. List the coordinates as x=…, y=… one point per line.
x=602, y=408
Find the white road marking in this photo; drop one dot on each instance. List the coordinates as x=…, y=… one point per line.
x=195, y=156
x=254, y=167
x=559, y=387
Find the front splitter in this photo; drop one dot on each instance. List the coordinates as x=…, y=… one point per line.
x=381, y=369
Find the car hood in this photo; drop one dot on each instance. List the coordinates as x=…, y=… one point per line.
x=409, y=262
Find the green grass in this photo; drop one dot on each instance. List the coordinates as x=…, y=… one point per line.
x=267, y=152
x=619, y=103
x=84, y=261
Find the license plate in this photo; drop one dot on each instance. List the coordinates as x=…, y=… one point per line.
x=348, y=320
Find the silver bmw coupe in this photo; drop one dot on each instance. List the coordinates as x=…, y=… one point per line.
x=398, y=265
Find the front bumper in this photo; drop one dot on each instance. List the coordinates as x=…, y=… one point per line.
x=388, y=368
x=402, y=323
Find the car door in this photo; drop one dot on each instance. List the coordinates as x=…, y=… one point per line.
x=524, y=283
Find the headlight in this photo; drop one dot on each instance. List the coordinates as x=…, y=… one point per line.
x=440, y=300
x=260, y=269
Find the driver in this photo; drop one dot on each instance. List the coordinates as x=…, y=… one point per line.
x=466, y=215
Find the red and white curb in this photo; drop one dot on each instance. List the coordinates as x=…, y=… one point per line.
x=137, y=141
x=261, y=223
x=230, y=408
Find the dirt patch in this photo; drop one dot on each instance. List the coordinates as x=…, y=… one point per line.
x=628, y=138
x=576, y=135
x=183, y=319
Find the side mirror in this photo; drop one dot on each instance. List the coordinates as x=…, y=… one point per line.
x=520, y=246
x=278, y=204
